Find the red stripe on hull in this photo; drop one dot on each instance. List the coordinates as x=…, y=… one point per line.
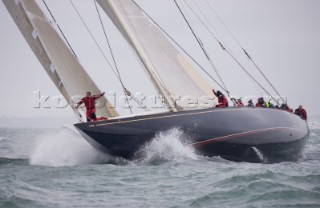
x=239, y=135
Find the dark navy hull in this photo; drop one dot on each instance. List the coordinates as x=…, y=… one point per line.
x=237, y=134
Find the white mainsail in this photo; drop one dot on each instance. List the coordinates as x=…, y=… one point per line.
x=56, y=58
x=170, y=71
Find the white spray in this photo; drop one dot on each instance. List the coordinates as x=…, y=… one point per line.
x=64, y=148
x=168, y=146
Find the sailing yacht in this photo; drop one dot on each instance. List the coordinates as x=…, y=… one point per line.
x=261, y=135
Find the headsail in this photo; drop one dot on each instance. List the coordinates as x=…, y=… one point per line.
x=170, y=71
x=52, y=52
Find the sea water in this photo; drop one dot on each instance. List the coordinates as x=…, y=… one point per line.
x=58, y=168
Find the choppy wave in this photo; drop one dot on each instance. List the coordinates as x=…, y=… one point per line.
x=4, y=161
x=58, y=168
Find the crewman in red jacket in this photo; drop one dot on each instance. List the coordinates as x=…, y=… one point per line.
x=222, y=100
x=89, y=102
x=302, y=112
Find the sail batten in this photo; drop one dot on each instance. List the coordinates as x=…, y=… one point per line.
x=169, y=70
x=54, y=55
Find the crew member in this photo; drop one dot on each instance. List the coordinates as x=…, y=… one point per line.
x=290, y=110
x=260, y=103
x=237, y=102
x=302, y=112
x=269, y=104
x=222, y=100
x=286, y=108
x=250, y=103
x=89, y=102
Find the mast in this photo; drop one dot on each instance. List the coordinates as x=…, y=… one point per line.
x=56, y=58
x=169, y=70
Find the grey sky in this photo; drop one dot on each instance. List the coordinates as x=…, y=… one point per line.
x=283, y=37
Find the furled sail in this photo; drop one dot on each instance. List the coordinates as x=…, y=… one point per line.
x=170, y=71
x=52, y=52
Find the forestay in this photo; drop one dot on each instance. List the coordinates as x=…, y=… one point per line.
x=55, y=57
x=170, y=71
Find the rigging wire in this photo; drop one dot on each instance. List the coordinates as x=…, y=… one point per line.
x=222, y=46
x=125, y=91
x=202, y=45
x=75, y=111
x=214, y=12
x=208, y=22
x=59, y=28
x=250, y=75
x=212, y=34
x=71, y=103
x=95, y=41
x=246, y=53
x=209, y=30
x=232, y=56
x=116, y=73
x=177, y=44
